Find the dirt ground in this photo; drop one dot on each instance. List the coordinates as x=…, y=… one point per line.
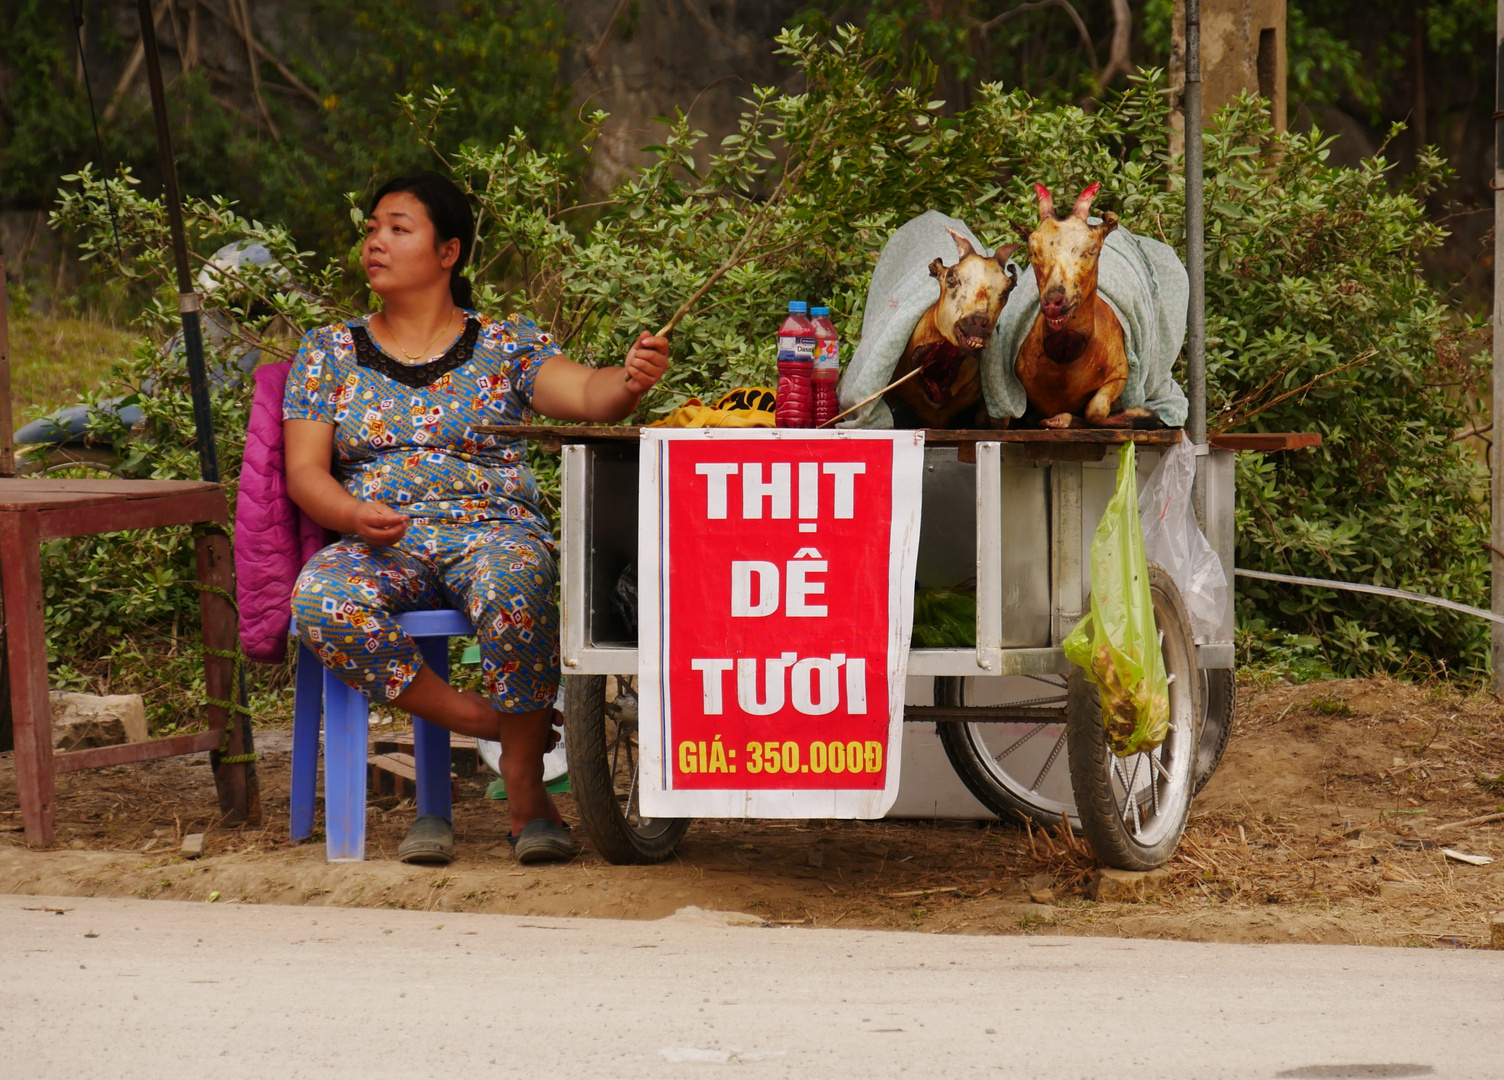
x=1326, y=823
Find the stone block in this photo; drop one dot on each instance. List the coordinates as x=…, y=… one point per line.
x=1126, y=886
x=193, y=845
x=710, y=917
x=80, y=721
x=1496, y=931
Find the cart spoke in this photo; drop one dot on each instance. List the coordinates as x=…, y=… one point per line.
x=1159, y=768
x=1058, y=699
x=1035, y=730
x=1049, y=762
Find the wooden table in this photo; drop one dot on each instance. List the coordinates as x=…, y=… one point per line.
x=32, y=511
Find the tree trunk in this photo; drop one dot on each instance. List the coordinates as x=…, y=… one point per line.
x=1418, y=111
x=1122, y=29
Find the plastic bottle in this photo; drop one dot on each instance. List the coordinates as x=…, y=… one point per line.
x=796, y=355
x=827, y=367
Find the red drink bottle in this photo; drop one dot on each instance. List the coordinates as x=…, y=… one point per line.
x=796, y=355
x=827, y=367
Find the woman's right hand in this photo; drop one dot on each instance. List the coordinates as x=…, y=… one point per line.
x=309, y=448
x=378, y=524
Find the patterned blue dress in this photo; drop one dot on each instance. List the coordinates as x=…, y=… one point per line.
x=477, y=539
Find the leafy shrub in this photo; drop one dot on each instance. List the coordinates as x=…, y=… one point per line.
x=1318, y=315
x=326, y=134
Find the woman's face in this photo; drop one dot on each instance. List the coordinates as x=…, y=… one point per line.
x=400, y=254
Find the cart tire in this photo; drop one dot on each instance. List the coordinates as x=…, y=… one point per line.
x=1219, y=696
x=965, y=744
x=1140, y=828
x=601, y=761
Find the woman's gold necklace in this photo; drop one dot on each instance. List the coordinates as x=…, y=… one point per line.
x=423, y=351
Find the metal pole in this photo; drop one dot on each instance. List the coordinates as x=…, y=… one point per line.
x=1496, y=455
x=1195, y=226
x=188, y=303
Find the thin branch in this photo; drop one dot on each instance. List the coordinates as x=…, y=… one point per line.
x=1117, y=57
x=594, y=56
x=253, y=59
x=870, y=398
x=998, y=20
x=178, y=42
x=297, y=84
x=583, y=206
x=133, y=65
x=1225, y=425
x=754, y=229
x=710, y=27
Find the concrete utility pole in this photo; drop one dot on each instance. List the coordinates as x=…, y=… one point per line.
x=1242, y=48
x=1496, y=457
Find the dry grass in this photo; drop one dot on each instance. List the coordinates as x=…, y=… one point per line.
x=54, y=358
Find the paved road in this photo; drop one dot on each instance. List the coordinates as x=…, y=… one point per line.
x=160, y=989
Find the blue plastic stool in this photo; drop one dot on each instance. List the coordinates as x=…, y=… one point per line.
x=346, y=714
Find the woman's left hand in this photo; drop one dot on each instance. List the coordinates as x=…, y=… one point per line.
x=646, y=362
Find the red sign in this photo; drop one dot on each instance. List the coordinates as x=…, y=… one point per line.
x=776, y=591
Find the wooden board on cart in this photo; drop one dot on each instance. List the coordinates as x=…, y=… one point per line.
x=1074, y=444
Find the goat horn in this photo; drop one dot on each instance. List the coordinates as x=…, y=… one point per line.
x=963, y=245
x=1083, y=201
x=1046, y=202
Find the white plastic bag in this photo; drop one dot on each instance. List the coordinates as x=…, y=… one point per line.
x=1172, y=539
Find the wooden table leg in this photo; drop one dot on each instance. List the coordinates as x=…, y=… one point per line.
x=239, y=791
x=26, y=648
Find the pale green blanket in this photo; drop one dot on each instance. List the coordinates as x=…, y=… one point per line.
x=1142, y=280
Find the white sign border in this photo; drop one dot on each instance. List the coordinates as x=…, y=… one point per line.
x=657, y=796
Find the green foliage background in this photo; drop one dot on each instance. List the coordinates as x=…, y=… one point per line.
x=501, y=56
x=1319, y=315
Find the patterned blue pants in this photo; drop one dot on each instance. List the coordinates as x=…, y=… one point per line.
x=501, y=575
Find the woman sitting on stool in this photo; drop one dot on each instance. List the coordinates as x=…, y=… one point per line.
x=431, y=514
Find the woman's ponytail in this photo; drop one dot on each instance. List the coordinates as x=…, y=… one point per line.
x=449, y=211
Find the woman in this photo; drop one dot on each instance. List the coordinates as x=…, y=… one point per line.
x=430, y=513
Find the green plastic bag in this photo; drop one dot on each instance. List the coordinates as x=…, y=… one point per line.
x=1117, y=644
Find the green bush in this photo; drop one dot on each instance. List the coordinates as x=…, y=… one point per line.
x=1319, y=318
x=331, y=133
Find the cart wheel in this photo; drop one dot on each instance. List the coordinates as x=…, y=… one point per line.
x=1219, y=696
x=1133, y=809
x=603, y=778
x=1017, y=770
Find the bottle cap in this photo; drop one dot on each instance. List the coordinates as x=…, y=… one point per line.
x=797, y=307
x=817, y=311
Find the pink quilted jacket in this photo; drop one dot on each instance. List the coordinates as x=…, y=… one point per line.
x=273, y=538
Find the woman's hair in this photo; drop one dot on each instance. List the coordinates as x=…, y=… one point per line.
x=450, y=213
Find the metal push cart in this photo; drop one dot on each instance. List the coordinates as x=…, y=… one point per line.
x=1017, y=511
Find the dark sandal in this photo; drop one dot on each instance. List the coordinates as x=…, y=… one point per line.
x=430, y=842
x=543, y=840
